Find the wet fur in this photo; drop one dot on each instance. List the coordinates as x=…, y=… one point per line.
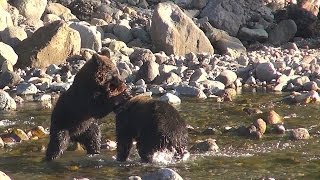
x=93, y=94
x=155, y=125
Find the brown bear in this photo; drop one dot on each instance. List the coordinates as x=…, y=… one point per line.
x=154, y=124
x=96, y=90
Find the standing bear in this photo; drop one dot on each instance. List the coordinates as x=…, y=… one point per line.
x=96, y=90
x=154, y=124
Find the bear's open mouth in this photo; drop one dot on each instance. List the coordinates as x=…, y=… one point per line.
x=117, y=91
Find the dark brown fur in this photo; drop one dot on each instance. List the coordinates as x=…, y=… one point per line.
x=94, y=93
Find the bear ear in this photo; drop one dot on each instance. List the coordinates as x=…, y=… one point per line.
x=106, y=52
x=98, y=59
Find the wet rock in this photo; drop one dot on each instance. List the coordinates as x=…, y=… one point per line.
x=261, y=125
x=266, y=72
x=109, y=144
x=190, y=91
x=213, y=86
x=208, y=145
x=90, y=35
x=13, y=35
x=6, y=101
x=62, y=87
x=26, y=89
x=309, y=97
x=7, y=54
x=3, y=176
x=51, y=44
x=43, y=97
x=38, y=132
x=211, y=131
x=273, y=118
x=134, y=178
x=170, y=98
x=182, y=35
x=299, y=134
x=283, y=32
x=21, y=134
x=163, y=173
x=148, y=71
x=252, y=111
x=157, y=90
x=227, y=77
x=31, y=8
x=1, y=144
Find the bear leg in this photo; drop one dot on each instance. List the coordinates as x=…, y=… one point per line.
x=58, y=143
x=146, y=147
x=124, y=145
x=90, y=138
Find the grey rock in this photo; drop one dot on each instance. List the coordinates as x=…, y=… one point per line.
x=299, y=134
x=26, y=89
x=31, y=8
x=227, y=77
x=266, y=72
x=148, y=71
x=208, y=145
x=170, y=98
x=9, y=78
x=252, y=34
x=283, y=32
x=90, y=35
x=167, y=78
x=6, y=101
x=192, y=91
x=61, y=86
x=175, y=33
x=162, y=174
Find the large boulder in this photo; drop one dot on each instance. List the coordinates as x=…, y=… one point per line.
x=223, y=42
x=174, y=32
x=230, y=15
x=31, y=9
x=283, y=32
x=51, y=44
x=5, y=19
x=7, y=54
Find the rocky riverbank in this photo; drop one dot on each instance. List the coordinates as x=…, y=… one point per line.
x=196, y=48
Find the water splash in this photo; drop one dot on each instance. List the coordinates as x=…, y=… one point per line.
x=6, y=122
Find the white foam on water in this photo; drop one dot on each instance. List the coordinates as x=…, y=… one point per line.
x=6, y=122
x=167, y=157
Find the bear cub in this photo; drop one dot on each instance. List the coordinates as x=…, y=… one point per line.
x=96, y=90
x=154, y=124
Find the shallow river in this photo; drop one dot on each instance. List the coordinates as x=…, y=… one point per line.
x=239, y=158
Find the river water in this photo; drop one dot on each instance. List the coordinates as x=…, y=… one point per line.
x=273, y=156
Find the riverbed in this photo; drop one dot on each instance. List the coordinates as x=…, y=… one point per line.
x=274, y=156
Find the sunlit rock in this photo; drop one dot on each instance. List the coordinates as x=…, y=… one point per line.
x=208, y=145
